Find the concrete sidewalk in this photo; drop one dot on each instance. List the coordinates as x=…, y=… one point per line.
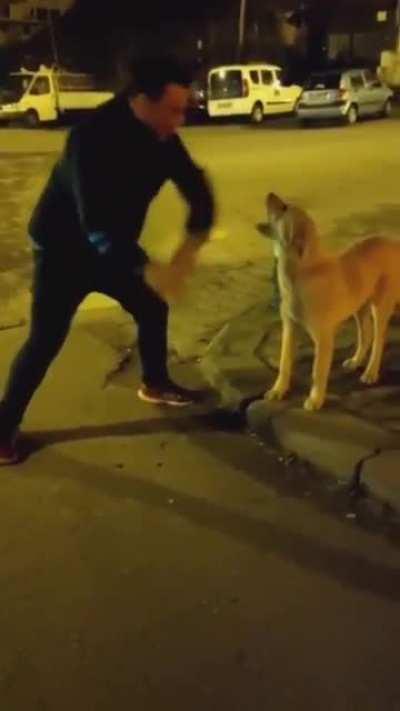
x=355, y=439
x=149, y=555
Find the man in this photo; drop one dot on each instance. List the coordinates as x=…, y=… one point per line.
x=85, y=230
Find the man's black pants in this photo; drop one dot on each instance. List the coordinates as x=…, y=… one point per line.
x=60, y=283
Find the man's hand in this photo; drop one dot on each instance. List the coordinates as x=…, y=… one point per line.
x=169, y=280
x=162, y=279
x=186, y=255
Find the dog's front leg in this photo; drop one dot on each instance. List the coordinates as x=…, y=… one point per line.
x=323, y=343
x=288, y=349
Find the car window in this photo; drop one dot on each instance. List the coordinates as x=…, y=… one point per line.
x=254, y=76
x=357, y=81
x=13, y=87
x=372, y=78
x=226, y=84
x=267, y=77
x=41, y=86
x=323, y=81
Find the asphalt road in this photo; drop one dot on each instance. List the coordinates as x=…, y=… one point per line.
x=171, y=566
x=347, y=177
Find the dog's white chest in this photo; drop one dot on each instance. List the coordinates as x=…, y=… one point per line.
x=290, y=301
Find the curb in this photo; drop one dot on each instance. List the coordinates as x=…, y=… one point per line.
x=335, y=444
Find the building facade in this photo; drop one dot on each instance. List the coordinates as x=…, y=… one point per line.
x=20, y=19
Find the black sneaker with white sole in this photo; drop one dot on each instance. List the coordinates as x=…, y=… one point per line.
x=170, y=394
x=9, y=450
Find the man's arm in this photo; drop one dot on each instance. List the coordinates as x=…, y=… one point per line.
x=192, y=183
x=195, y=188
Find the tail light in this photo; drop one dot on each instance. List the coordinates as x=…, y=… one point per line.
x=245, y=89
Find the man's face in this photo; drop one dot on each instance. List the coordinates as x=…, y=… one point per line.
x=166, y=114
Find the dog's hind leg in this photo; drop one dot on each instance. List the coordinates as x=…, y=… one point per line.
x=288, y=352
x=382, y=310
x=323, y=355
x=364, y=338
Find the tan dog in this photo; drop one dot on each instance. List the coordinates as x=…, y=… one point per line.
x=320, y=291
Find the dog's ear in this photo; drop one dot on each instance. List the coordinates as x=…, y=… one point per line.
x=275, y=204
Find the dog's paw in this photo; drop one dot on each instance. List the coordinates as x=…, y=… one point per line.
x=369, y=377
x=276, y=393
x=351, y=364
x=313, y=403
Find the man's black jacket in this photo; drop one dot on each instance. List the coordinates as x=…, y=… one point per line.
x=111, y=168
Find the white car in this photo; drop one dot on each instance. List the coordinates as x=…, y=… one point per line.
x=348, y=95
x=252, y=90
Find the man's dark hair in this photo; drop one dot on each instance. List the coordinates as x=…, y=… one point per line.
x=150, y=76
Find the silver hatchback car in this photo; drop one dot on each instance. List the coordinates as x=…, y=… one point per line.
x=345, y=95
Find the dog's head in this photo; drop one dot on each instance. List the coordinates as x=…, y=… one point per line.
x=293, y=231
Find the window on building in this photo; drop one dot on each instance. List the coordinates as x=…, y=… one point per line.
x=41, y=14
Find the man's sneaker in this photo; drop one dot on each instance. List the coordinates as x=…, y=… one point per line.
x=9, y=453
x=171, y=394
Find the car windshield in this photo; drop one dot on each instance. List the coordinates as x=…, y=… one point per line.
x=323, y=81
x=14, y=87
x=226, y=84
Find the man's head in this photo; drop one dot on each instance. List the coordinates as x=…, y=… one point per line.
x=159, y=93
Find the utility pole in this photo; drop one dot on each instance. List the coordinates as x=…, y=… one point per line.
x=53, y=40
x=242, y=23
x=398, y=26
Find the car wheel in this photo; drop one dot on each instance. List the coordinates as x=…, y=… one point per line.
x=31, y=119
x=352, y=115
x=387, y=109
x=257, y=114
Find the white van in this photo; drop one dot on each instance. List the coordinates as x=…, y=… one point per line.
x=252, y=90
x=47, y=94
x=389, y=69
